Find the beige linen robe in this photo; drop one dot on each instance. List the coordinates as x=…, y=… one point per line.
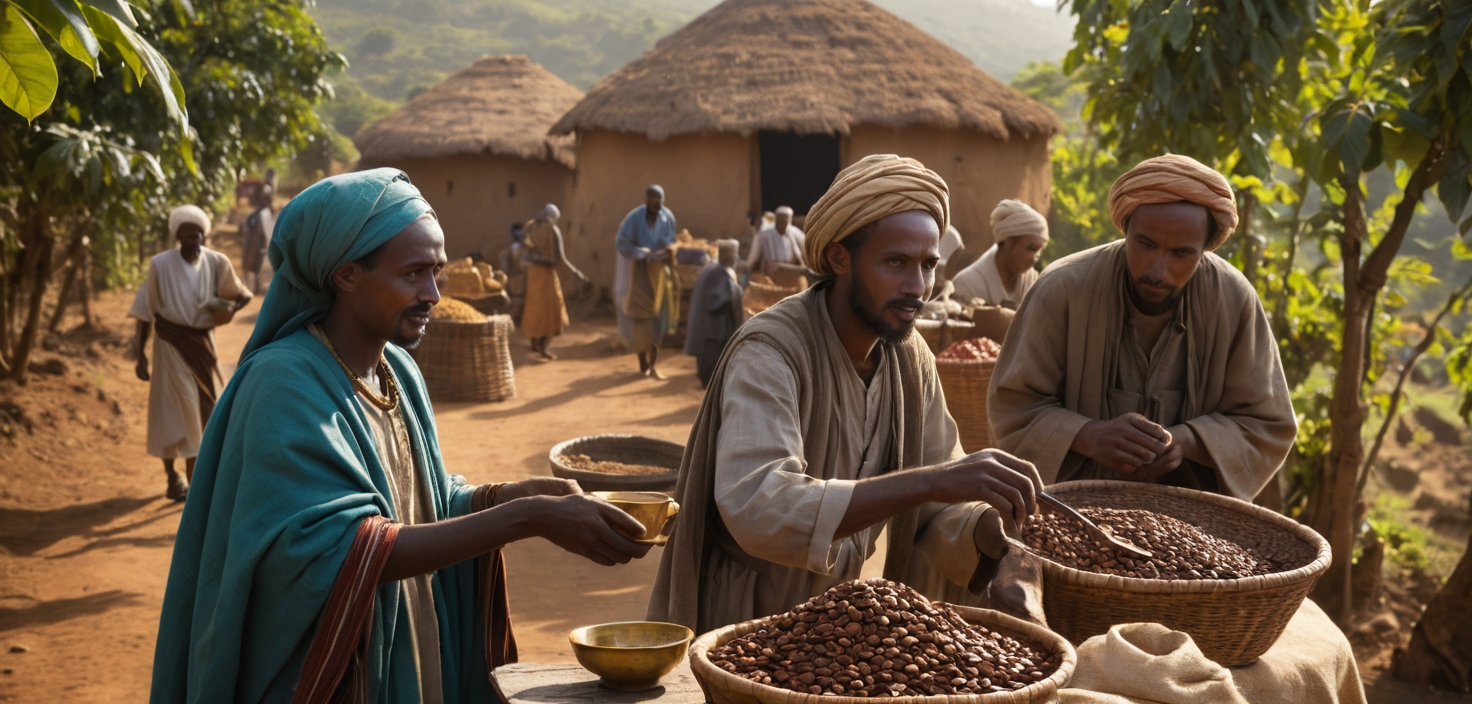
x=794, y=429
x=179, y=291
x=771, y=248
x=1059, y=364
x=983, y=280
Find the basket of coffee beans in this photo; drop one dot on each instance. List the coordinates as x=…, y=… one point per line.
x=1227, y=572
x=877, y=639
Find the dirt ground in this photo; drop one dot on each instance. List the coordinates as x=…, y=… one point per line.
x=86, y=535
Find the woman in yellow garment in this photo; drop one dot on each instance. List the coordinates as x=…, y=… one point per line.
x=545, y=314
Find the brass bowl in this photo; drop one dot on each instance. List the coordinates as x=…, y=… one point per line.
x=633, y=655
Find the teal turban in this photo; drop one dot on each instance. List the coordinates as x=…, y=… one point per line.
x=336, y=221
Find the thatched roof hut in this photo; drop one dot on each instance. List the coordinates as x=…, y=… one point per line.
x=478, y=146
x=759, y=103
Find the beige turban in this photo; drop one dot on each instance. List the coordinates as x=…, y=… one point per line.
x=877, y=186
x=1014, y=218
x=188, y=214
x=1171, y=179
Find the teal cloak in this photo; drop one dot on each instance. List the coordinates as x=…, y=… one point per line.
x=287, y=470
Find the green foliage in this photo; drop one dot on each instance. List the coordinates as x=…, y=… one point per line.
x=90, y=31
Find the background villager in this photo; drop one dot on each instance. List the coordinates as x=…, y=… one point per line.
x=645, y=292
x=776, y=251
x=512, y=260
x=825, y=423
x=545, y=312
x=190, y=290
x=1149, y=358
x=1005, y=273
x=256, y=236
x=715, y=311
x=317, y=556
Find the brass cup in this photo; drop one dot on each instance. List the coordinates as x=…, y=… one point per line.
x=647, y=507
x=633, y=655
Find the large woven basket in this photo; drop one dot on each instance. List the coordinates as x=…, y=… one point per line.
x=939, y=334
x=688, y=273
x=467, y=361
x=759, y=296
x=1233, y=621
x=964, y=383
x=629, y=449
x=722, y=687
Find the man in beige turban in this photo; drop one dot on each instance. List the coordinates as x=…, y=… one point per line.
x=1005, y=273
x=1150, y=358
x=824, y=423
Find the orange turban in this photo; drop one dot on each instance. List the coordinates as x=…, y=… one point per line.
x=875, y=187
x=1171, y=179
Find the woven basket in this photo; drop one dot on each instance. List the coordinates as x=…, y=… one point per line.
x=964, y=383
x=722, y=687
x=688, y=273
x=759, y=296
x=629, y=449
x=1233, y=621
x=467, y=361
x=939, y=334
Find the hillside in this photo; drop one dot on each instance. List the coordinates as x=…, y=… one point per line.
x=397, y=48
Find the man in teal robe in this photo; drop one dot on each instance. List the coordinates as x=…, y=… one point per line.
x=324, y=553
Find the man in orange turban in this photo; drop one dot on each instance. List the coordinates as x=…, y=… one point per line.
x=824, y=424
x=1150, y=358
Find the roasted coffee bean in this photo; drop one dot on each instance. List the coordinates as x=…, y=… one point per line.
x=854, y=645
x=1181, y=550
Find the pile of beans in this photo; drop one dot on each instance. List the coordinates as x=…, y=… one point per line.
x=455, y=311
x=876, y=638
x=980, y=349
x=1180, y=550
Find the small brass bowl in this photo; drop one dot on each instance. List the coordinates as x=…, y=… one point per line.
x=633, y=655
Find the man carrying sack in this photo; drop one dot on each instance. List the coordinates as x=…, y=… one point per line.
x=190, y=290
x=326, y=555
x=1148, y=359
x=824, y=423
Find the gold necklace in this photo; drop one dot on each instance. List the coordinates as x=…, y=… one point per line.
x=386, y=405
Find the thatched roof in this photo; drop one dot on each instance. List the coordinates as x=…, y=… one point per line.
x=804, y=66
x=500, y=105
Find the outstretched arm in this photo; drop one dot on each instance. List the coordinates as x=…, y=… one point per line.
x=1005, y=482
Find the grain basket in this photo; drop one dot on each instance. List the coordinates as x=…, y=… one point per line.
x=964, y=383
x=629, y=449
x=464, y=361
x=1233, y=621
x=722, y=687
x=939, y=334
x=760, y=296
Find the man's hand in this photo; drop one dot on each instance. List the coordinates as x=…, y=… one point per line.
x=1008, y=483
x=537, y=486
x=1164, y=462
x=142, y=368
x=586, y=525
x=1124, y=444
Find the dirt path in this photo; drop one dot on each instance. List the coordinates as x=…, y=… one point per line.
x=86, y=539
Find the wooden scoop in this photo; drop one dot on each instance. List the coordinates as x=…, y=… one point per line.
x=1099, y=533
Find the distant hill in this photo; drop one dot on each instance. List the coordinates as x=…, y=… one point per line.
x=397, y=48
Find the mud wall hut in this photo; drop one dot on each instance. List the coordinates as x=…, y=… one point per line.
x=477, y=146
x=759, y=103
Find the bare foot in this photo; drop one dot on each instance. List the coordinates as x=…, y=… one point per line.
x=654, y=374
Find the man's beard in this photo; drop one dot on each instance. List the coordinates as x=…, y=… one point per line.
x=874, y=316
x=409, y=342
x=1146, y=307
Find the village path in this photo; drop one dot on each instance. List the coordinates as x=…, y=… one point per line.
x=86, y=539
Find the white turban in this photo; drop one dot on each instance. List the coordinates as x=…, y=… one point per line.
x=188, y=214
x=1014, y=218
x=550, y=213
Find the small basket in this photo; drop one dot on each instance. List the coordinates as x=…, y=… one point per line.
x=759, y=296
x=688, y=273
x=1233, y=621
x=964, y=383
x=722, y=687
x=629, y=449
x=939, y=334
x=467, y=361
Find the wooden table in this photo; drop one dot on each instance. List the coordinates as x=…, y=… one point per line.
x=531, y=683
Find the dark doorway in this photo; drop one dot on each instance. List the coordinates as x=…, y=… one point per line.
x=796, y=168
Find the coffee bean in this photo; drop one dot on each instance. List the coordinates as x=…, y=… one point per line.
x=1181, y=550
x=850, y=642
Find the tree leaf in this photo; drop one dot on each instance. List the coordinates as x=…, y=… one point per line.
x=27, y=73
x=1178, y=24
x=63, y=20
x=111, y=32
x=1458, y=17
x=1455, y=186
x=145, y=61
x=121, y=11
x=1354, y=147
